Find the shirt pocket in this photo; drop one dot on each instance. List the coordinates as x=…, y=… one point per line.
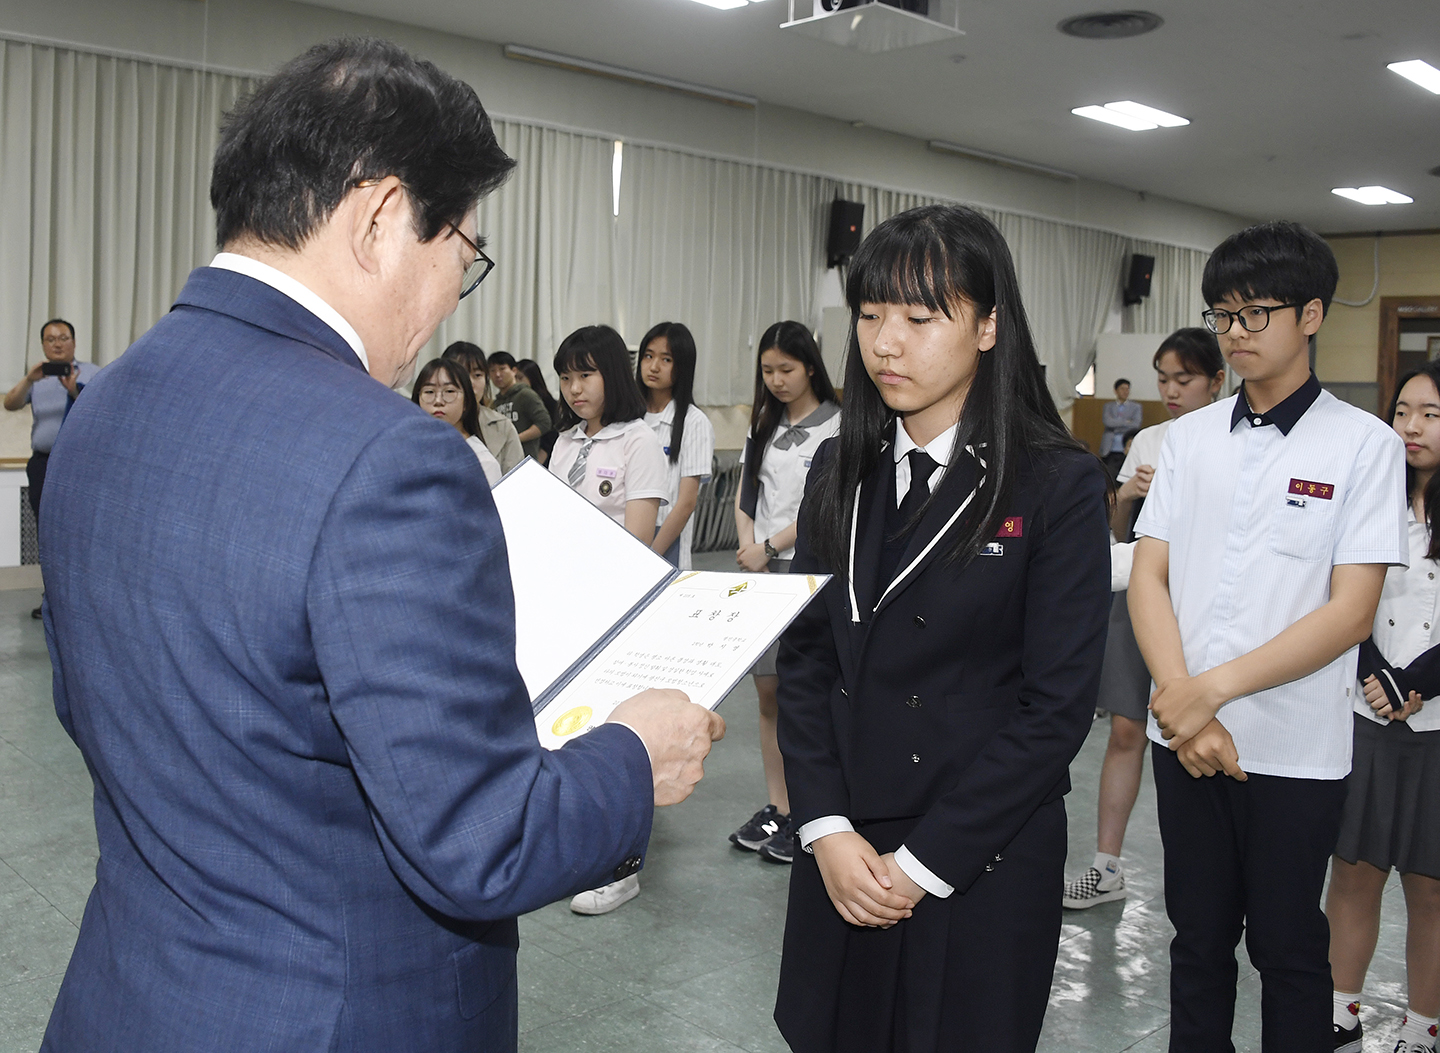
x=1303, y=528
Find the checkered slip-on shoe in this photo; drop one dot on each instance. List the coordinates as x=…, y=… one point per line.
x=1086, y=891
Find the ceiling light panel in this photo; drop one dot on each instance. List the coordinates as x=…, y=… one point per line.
x=1115, y=117
x=1147, y=113
x=1373, y=195
x=1420, y=71
x=723, y=5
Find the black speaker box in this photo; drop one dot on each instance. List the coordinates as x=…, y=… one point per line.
x=844, y=239
x=1137, y=287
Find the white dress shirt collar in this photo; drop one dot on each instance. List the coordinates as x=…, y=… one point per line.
x=283, y=283
x=939, y=448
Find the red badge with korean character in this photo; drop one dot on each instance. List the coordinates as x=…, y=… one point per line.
x=1011, y=526
x=1306, y=488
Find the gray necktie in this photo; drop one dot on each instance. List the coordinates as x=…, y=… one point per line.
x=577, y=470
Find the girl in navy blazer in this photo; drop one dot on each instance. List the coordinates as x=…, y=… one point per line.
x=932, y=699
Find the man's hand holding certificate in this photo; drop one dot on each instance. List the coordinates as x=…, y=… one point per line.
x=586, y=642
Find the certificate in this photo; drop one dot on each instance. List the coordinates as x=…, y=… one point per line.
x=600, y=617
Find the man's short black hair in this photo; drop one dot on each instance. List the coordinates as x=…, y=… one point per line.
x=502, y=358
x=342, y=113
x=1122, y=380
x=57, y=321
x=1272, y=261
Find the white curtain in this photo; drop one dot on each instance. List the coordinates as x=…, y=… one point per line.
x=105, y=167
x=105, y=163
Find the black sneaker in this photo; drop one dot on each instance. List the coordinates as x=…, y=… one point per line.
x=780, y=848
x=1347, y=1040
x=762, y=826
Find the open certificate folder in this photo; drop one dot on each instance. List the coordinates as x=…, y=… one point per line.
x=599, y=616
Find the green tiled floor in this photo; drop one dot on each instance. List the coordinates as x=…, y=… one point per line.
x=690, y=965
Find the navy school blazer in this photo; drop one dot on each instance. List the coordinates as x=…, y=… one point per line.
x=279, y=611
x=962, y=696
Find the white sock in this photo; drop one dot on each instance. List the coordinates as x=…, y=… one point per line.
x=1110, y=872
x=1347, y=1010
x=1417, y=1028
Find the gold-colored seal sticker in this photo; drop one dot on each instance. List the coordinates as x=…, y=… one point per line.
x=571, y=721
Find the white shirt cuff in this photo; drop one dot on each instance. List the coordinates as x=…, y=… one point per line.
x=818, y=828
x=922, y=875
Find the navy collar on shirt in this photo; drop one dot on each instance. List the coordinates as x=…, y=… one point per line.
x=1284, y=416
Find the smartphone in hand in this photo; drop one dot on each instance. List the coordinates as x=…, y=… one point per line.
x=55, y=369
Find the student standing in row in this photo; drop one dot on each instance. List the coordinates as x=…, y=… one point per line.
x=496, y=431
x=517, y=401
x=528, y=372
x=607, y=453
x=934, y=695
x=1264, y=542
x=1189, y=373
x=1392, y=805
x=794, y=411
x=1119, y=417
x=666, y=373
x=442, y=389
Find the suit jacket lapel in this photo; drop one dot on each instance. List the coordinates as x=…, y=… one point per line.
x=243, y=297
x=957, y=485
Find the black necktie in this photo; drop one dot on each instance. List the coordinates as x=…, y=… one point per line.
x=922, y=467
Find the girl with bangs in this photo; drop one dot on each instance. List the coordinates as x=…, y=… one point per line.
x=442, y=389
x=933, y=696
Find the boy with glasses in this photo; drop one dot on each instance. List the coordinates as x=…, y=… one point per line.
x=1263, y=546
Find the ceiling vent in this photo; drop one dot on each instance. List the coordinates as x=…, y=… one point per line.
x=1111, y=25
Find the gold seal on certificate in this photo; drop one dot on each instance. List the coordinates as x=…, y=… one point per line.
x=571, y=721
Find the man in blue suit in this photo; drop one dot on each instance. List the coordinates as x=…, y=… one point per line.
x=282, y=628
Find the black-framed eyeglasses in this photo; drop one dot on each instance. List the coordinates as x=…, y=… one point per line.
x=1253, y=318
x=479, y=267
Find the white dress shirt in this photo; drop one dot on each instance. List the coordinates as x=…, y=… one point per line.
x=283, y=283
x=940, y=449
x=1258, y=508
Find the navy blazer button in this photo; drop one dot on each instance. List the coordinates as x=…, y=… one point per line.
x=920, y=622
x=915, y=758
x=913, y=701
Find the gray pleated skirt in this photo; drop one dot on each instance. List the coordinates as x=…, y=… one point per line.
x=1124, y=680
x=1392, y=806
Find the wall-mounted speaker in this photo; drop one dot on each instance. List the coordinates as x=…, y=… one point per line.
x=844, y=239
x=1137, y=286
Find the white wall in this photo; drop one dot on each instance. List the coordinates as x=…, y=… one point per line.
x=257, y=35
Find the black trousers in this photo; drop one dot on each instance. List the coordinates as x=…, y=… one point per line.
x=1247, y=857
x=35, y=476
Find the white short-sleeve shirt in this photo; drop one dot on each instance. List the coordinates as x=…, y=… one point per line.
x=783, y=469
x=697, y=453
x=1407, y=622
x=624, y=464
x=1257, y=510
x=1144, y=449
x=487, y=460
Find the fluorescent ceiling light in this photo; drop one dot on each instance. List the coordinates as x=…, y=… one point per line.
x=940, y=146
x=723, y=5
x=1373, y=195
x=1115, y=117
x=1420, y=71
x=1147, y=113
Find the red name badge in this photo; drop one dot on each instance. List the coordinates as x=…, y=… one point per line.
x=1305, y=488
x=1014, y=526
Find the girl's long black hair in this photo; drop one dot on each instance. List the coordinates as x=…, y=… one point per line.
x=531, y=369
x=793, y=340
x=600, y=348
x=457, y=375
x=1432, y=490
x=940, y=256
x=682, y=374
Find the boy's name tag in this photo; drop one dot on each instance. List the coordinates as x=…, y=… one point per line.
x=1306, y=488
x=605, y=473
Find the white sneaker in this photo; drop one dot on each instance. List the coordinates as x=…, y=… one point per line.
x=1086, y=891
x=606, y=898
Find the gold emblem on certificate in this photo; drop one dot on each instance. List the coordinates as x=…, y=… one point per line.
x=571, y=721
